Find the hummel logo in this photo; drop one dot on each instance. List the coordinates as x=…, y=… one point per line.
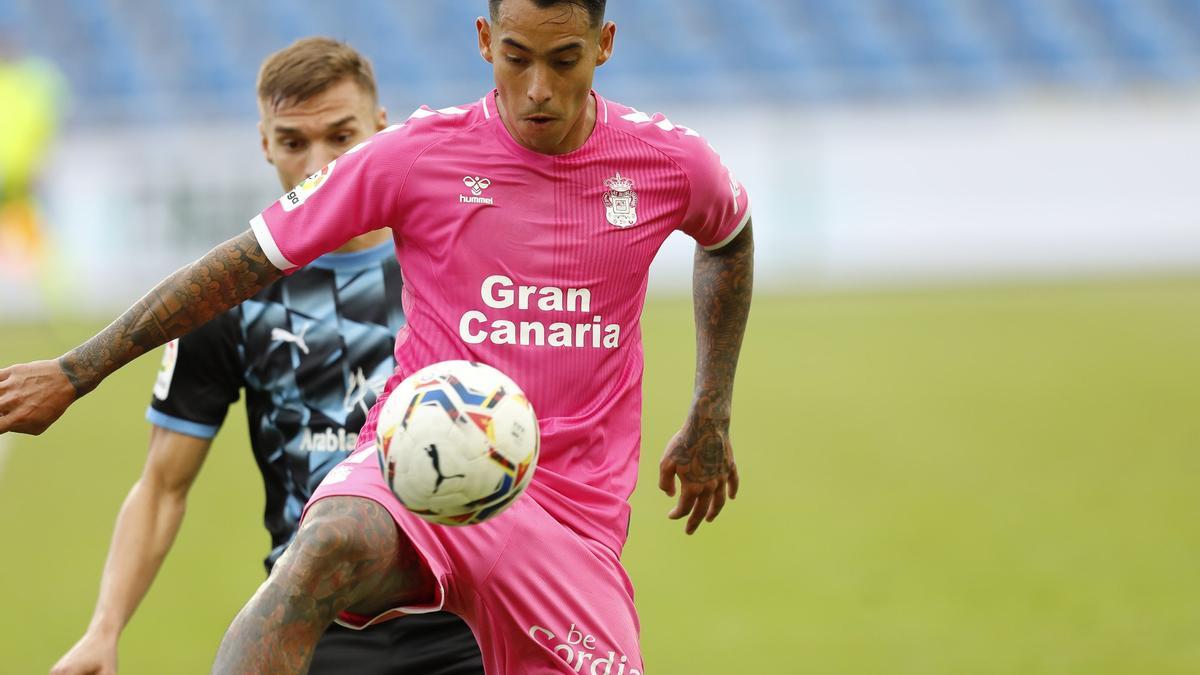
x=281, y=335
x=477, y=185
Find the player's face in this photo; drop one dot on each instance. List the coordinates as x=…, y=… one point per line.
x=300, y=138
x=544, y=60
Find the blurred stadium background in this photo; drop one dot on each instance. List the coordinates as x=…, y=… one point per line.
x=967, y=410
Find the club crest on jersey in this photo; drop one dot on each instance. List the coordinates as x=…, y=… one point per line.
x=620, y=202
x=304, y=190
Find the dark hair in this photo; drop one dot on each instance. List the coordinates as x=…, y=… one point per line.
x=310, y=66
x=594, y=8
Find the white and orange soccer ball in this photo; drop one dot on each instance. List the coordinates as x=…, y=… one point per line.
x=457, y=442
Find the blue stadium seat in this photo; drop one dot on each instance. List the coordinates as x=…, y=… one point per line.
x=1136, y=41
x=129, y=59
x=949, y=53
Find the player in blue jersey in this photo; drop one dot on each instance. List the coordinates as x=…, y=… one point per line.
x=311, y=353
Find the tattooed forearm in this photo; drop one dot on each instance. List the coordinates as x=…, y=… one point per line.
x=722, y=286
x=700, y=456
x=348, y=555
x=184, y=301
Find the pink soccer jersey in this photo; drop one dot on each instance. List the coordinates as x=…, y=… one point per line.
x=534, y=264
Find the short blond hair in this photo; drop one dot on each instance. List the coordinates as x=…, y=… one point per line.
x=308, y=67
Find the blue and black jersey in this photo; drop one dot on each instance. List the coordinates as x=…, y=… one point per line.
x=311, y=352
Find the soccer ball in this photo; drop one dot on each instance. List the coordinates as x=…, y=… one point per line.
x=457, y=442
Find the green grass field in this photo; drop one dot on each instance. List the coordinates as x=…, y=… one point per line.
x=959, y=481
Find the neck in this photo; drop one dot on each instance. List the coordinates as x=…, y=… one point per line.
x=368, y=240
x=576, y=136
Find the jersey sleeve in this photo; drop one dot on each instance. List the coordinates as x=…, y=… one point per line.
x=200, y=377
x=718, y=206
x=352, y=195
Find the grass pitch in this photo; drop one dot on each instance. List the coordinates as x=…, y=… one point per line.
x=955, y=481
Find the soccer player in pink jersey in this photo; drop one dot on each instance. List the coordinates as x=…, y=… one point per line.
x=306, y=395
x=525, y=222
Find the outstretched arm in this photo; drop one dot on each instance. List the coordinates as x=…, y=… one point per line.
x=34, y=395
x=700, y=455
x=146, y=528
x=348, y=554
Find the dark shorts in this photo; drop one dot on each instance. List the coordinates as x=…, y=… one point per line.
x=419, y=644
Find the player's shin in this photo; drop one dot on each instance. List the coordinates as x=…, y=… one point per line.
x=347, y=555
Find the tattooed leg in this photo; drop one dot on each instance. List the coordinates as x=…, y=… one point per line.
x=349, y=554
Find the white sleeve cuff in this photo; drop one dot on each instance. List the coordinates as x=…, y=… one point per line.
x=732, y=235
x=267, y=242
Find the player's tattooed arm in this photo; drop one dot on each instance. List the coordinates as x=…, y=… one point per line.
x=34, y=395
x=722, y=282
x=184, y=301
x=700, y=455
x=347, y=555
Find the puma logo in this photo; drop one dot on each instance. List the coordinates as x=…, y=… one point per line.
x=360, y=390
x=281, y=335
x=432, y=451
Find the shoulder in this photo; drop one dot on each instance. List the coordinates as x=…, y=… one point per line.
x=694, y=162
x=680, y=143
x=426, y=127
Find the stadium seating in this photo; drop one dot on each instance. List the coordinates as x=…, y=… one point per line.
x=129, y=60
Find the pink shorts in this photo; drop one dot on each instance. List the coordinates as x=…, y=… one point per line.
x=538, y=597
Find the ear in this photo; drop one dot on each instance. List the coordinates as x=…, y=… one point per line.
x=262, y=132
x=608, y=33
x=485, y=38
x=381, y=119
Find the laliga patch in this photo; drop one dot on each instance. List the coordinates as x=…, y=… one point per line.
x=304, y=190
x=166, y=370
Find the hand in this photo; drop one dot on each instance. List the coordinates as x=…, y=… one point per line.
x=701, y=456
x=92, y=655
x=32, y=396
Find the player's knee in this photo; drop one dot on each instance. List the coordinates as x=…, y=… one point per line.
x=345, y=530
x=353, y=543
